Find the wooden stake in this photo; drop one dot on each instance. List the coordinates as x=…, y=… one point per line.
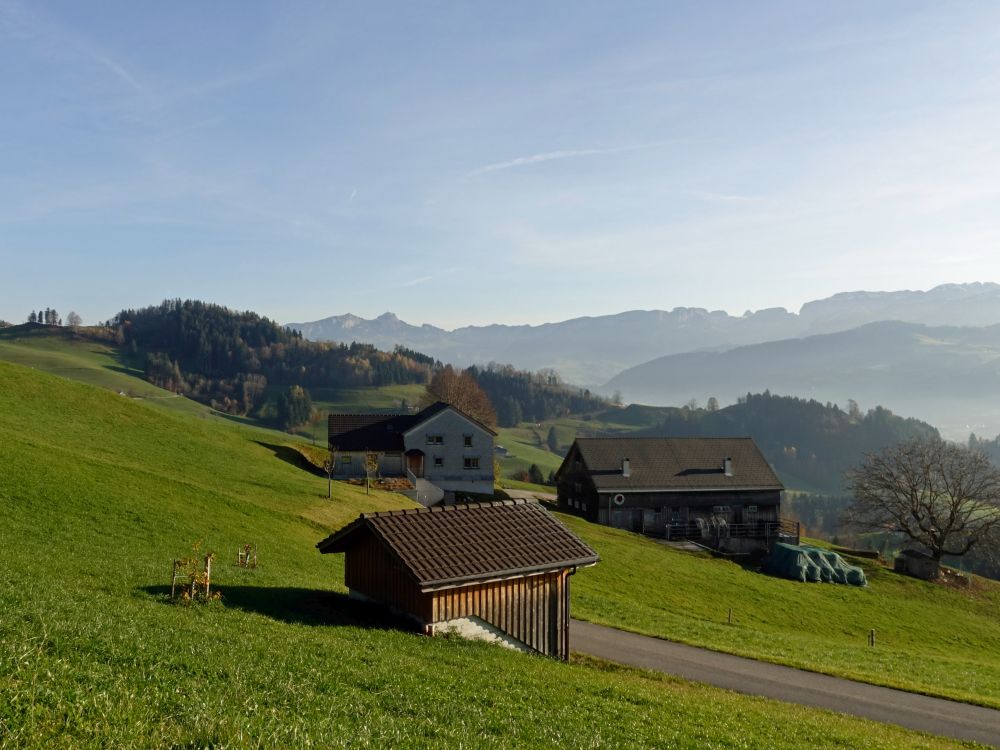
x=871, y=638
x=208, y=575
x=730, y=615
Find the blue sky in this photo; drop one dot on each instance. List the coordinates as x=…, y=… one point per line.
x=500, y=162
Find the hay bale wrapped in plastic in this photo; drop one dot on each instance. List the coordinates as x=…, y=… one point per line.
x=801, y=562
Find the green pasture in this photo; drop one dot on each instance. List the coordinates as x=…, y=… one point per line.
x=100, y=493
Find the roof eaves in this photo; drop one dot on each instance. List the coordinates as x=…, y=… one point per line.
x=581, y=562
x=717, y=488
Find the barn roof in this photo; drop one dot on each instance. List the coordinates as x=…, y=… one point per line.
x=466, y=543
x=675, y=464
x=382, y=432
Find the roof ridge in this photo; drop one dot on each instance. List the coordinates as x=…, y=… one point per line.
x=450, y=508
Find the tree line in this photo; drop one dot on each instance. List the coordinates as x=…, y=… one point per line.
x=244, y=363
x=50, y=317
x=808, y=443
x=520, y=396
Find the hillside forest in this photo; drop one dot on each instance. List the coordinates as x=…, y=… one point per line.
x=243, y=363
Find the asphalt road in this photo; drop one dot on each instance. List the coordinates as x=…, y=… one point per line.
x=935, y=715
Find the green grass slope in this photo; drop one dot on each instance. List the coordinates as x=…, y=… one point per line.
x=100, y=492
x=930, y=639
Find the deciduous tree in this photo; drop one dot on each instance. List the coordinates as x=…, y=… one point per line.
x=942, y=496
x=461, y=390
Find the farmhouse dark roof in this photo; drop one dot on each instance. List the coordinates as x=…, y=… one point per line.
x=382, y=432
x=467, y=543
x=675, y=463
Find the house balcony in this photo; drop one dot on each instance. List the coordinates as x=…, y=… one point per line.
x=712, y=533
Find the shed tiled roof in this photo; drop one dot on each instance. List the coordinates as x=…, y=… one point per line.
x=381, y=432
x=675, y=463
x=466, y=543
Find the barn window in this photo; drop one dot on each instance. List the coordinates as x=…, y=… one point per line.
x=345, y=459
x=472, y=462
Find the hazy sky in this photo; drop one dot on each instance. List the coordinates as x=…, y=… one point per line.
x=503, y=162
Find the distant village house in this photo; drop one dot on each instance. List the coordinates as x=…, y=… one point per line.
x=442, y=450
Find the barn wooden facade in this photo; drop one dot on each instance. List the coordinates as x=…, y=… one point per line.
x=719, y=491
x=498, y=571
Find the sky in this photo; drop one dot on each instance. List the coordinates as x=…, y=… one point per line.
x=472, y=163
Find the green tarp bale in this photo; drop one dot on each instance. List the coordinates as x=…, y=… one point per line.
x=801, y=562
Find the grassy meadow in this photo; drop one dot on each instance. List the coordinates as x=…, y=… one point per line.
x=99, y=494
x=929, y=638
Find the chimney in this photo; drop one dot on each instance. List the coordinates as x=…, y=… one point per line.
x=626, y=469
x=727, y=466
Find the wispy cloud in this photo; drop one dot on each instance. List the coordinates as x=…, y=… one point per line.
x=524, y=161
x=417, y=281
x=60, y=42
x=709, y=195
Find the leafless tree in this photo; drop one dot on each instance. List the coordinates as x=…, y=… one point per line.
x=329, y=466
x=74, y=320
x=944, y=497
x=371, y=467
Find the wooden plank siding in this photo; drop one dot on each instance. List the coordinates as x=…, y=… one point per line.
x=370, y=569
x=531, y=609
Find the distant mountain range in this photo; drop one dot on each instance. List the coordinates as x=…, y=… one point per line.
x=948, y=376
x=591, y=350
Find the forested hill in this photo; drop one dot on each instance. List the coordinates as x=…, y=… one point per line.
x=811, y=445
x=519, y=396
x=243, y=363
x=229, y=358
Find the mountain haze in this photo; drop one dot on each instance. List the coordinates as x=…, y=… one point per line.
x=591, y=350
x=948, y=376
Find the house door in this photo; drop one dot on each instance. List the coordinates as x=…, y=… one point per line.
x=415, y=463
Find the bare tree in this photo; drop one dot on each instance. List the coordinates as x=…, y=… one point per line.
x=371, y=467
x=329, y=466
x=73, y=319
x=942, y=496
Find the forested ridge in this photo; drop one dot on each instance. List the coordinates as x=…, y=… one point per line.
x=230, y=358
x=243, y=363
x=520, y=396
x=804, y=440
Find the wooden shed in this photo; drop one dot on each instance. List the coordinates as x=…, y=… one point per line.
x=497, y=571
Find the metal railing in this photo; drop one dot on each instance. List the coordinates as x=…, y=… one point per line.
x=708, y=529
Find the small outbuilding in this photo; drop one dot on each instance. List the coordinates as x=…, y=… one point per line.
x=918, y=564
x=498, y=571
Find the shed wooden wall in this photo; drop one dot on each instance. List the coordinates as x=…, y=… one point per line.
x=531, y=609
x=370, y=569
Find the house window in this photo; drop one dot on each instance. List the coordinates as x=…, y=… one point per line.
x=467, y=439
x=435, y=440
x=438, y=462
x=471, y=462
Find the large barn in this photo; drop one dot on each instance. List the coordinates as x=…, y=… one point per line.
x=721, y=491
x=498, y=570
